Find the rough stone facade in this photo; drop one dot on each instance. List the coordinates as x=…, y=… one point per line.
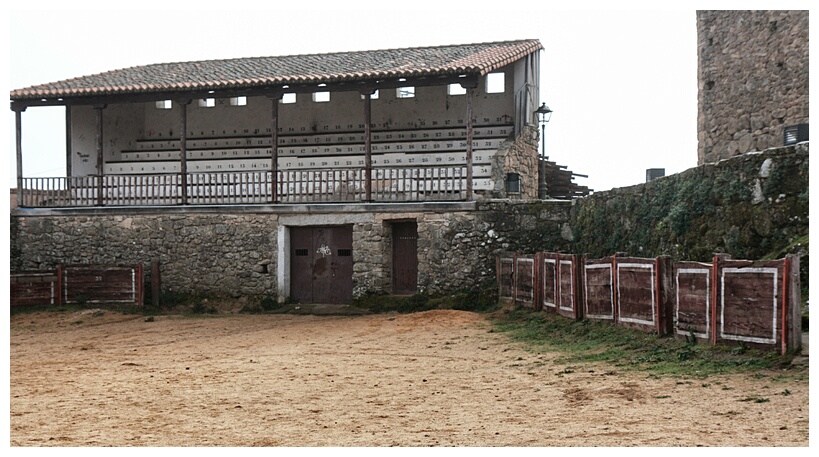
x=206, y=254
x=237, y=254
x=519, y=157
x=752, y=79
x=751, y=206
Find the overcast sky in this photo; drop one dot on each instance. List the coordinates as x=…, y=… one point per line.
x=622, y=83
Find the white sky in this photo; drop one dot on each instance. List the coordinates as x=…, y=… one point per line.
x=622, y=83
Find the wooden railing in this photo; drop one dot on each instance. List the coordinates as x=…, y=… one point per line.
x=400, y=184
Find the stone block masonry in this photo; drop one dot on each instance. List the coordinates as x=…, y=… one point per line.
x=752, y=80
x=205, y=254
x=241, y=253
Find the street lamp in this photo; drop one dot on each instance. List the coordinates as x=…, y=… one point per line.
x=543, y=115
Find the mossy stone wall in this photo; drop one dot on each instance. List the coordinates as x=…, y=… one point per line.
x=752, y=206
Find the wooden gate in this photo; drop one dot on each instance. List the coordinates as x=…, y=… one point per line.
x=321, y=264
x=404, y=257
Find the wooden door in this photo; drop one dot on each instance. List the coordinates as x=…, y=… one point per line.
x=405, y=258
x=321, y=264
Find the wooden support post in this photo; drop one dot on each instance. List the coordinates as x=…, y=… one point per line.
x=274, y=97
x=558, y=284
x=69, y=167
x=18, y=128
x=140, y=280
x=470, y=84
x=156, y=283
x=716, y=269
x=368, y=147
x=469, y=135
x=59, y=300
x=515, y=279
x=784, y=317
x=99, y=143
x=579, y=271
x=498, y=274
x=614, y=298
x=664, y=291
x=183, y=147
x=537, y=281
x=794, y=303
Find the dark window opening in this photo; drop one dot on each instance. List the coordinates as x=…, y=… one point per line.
x=301, y=252
x=345, y=252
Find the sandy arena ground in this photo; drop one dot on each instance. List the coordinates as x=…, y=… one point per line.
x=438, y=378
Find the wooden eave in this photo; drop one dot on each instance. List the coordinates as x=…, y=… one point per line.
x=273, y=90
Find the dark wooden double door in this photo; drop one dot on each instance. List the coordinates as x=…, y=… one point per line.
x=404, y=258
x=321, y=264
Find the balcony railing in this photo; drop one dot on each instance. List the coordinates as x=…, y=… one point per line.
x=406, y=184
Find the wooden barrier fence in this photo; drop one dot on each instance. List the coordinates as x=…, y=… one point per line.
x=756, y=303
x=79, y=284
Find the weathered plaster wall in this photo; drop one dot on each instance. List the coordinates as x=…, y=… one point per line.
x=753, y=80
x=750, y=206
x=122, y=124
x=431, y=107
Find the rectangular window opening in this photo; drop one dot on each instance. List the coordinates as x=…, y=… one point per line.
x=345, y=252
x=455, y=89
x=405, y=92
x=164, y=104
x=238, y=101
x=301, y=252
x=321, y=97
x=288, y=98
x=374, y=96
x=495, y=83
x=207, y=102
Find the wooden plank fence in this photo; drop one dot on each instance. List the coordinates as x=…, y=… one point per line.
x=36, y=287
x=755, y=303
x=79, y=284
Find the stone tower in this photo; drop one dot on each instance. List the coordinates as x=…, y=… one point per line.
x=752, y=78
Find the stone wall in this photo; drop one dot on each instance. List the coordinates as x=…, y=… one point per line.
x=519, y=157
x=236, y=253
x=751, y=206
x=457, y=251
x=204, y=254
x=752, y=79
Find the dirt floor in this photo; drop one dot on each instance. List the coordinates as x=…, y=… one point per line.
x=438, y=378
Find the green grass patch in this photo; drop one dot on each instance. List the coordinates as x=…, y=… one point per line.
x=629, y=349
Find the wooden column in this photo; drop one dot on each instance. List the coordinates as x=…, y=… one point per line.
x=469, y=134
x=99, y=141
x=68, y=147
x=368, y=147
x=794, y=307
x=183, y=147
x=716, y=289
x=274, y=145
x=156, y=283
x=470, y=85
x=18, y=123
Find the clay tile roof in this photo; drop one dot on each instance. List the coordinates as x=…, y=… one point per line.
x=472, y=59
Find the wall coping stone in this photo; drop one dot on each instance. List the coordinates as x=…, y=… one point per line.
x=323, y=208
